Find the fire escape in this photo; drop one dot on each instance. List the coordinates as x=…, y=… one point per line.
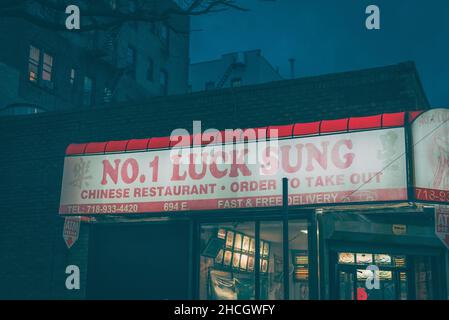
x=105, y=50
x=238, y=61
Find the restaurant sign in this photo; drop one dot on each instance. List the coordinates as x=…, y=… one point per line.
x=442, y=224
x=431, y=155
x=366, y=166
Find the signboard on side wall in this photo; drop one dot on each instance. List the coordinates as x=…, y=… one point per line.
x=357, y=167
x=431, y=155
x=71, y=230
x=442, y=224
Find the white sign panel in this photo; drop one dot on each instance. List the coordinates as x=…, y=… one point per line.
x=71, y=230
x=363, y=166
x=431, y=155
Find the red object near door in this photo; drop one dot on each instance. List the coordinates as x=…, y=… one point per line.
x=361, y=294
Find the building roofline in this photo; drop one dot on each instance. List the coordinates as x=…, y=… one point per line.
x=297, y=82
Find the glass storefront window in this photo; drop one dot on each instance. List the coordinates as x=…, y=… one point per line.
x=226, y=263
x=271, y=258
x=228, y=259
x=299, y=259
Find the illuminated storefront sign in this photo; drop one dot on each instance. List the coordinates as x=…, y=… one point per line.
x=365, y=166
x=431, y=155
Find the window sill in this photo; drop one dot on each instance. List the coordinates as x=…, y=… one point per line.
x=42, y=87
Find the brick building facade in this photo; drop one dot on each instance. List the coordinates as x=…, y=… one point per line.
x=33, y=254
x=130, y=62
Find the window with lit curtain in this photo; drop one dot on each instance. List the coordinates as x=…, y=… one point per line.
x=40, y=67
x=33, y=64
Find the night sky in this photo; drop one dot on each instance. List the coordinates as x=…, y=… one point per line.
x=327, y=36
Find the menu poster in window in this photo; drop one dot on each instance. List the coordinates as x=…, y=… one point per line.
x=246, y=241
x=382, y=259
x=346, y=258
x=238, y=241
x=250, y=263
x=264, y=265
x=219, y=258
x=227, y=258
x=221, y=234
x=266, y=249
x=364, y=258
x=230, y=239
x=243, y=262
x=236, y=260
x=252, y=246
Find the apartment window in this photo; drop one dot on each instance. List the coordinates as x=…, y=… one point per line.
x=164, y=32
x=33, y=64
x=163, y=78
x=210, y=85
x=40, y=67
x=113, y=4
x=153, y=27
x=132, y=6
x=131, y=60
x=47, y=68
x=150, y=71
x=164, y=35
x=72, y=77
x=236, y=82
x=87, y=91
x=107, y=95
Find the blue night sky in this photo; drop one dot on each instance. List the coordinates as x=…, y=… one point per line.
x=326, y=36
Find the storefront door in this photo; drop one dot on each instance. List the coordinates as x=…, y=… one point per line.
x=352, y=284
x=367, y=276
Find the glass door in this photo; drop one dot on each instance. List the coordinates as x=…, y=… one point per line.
x=346, y=283
x=365, y=276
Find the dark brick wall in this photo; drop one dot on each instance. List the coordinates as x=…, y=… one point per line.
x=32, y=252
x=66, y=56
